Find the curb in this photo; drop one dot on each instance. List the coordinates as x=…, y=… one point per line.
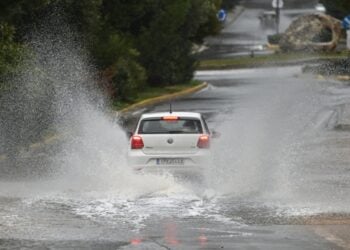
x=164, y=98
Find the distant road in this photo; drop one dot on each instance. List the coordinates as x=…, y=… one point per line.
x=287, y=3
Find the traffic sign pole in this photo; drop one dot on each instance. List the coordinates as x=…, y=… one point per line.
x=346, y=25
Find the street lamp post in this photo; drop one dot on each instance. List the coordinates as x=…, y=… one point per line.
x=278, y=12
x=277, y=5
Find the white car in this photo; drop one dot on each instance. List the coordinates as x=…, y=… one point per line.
x=320, y=8
x=175, y=142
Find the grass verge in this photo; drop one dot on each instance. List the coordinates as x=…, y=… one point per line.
x=267, y=60
x=151, y=92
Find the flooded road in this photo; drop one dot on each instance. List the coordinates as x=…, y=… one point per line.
x=280, y=167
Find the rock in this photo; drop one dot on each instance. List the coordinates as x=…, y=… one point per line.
x=312, y=32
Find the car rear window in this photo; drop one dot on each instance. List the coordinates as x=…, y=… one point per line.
x=180, y=126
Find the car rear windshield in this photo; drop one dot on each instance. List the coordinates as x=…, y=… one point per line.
x=180, y=126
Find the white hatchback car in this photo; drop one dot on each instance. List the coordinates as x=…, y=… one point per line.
x=175, y=142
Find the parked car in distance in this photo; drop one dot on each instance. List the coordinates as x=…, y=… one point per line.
x=175, y=142
x=320, y=8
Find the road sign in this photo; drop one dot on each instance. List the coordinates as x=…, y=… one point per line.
x=222, y=15
x=277, y=4
x=346, y=22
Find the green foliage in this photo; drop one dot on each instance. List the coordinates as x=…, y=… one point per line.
x=166, y=42
x=111, y=47
x=125, y=74
x=85, y=16
x=274, y=39
x=145, y=42
x=229, y=4
x=337, y=8
x=21, y=13
x=163, y=32
x=164, y=50
x=129, y=17
x=129, y=79
x=202, y=20
x=10, y=53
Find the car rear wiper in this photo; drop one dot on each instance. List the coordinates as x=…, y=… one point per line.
x=175, y=132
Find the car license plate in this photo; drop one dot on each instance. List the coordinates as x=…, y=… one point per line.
x=170, y=161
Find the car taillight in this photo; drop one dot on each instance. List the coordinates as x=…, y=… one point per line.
x=136, y=142
x=170, y=118
x=203, y=141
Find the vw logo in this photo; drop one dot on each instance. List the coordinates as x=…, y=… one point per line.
x=170, y=140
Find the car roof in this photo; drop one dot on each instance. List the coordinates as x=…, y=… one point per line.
x=179, y=114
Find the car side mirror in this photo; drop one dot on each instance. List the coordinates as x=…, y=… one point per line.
x=215, y=134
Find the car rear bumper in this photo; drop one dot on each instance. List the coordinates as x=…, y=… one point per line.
x=192, y=163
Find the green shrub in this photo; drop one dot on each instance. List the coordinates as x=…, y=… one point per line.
x=337, y=8
x=10, y=51
x=274, y=39
x=129, y=79
x=11, y=54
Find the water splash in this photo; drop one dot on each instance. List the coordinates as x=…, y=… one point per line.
x=60, y=134
x=279, y=143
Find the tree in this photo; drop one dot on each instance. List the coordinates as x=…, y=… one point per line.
x=202, y=20
x=166, y=42
x=125, y=75
x=137, y=39
x=229, y=4
x=21, y=14
x=11, y=54
x=129, y=17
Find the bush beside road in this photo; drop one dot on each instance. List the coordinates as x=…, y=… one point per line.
x=339, y=67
